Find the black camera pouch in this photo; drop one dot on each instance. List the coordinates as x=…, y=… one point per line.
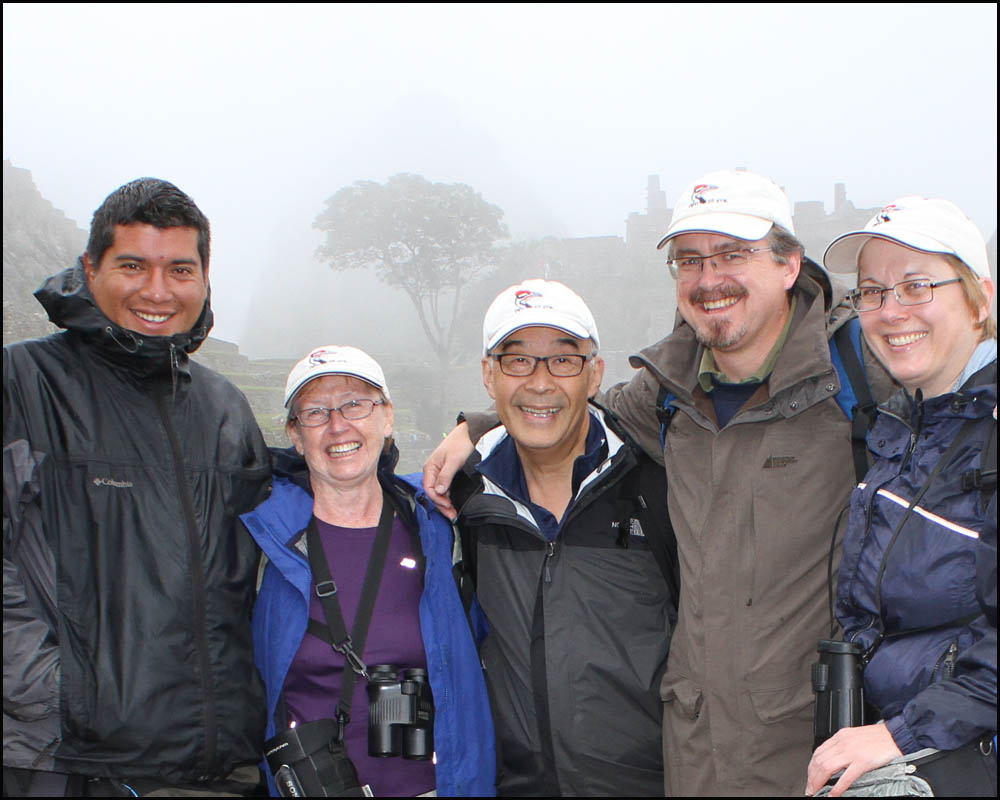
x=310, y=761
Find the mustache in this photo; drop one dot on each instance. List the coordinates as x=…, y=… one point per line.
x=732, y=289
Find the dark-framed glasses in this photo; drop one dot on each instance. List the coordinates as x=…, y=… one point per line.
x=352, y=410
x=728, y=262
x=521, y=365
x=908, y=293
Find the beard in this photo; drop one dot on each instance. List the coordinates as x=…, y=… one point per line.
x=722, y=334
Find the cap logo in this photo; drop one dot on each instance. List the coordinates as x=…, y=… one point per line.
x=698, y=195
x=885, y=215
x=321, y=356
x=523, y=297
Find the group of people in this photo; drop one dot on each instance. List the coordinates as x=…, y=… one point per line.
x=589, y=592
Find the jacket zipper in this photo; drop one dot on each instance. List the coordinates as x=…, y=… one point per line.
x=873, y=490
x=550, y=550
x=946, y=664
x=197, y=588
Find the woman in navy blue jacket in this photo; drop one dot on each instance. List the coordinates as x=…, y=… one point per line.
x=335, y=510
x=916, y=537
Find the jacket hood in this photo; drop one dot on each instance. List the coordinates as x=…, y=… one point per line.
x=67, y=299
x=821, y=277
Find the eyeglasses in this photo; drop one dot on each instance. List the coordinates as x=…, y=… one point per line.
x=728, y=262
x=908, y=293
x=519, y=365
x=353, y=410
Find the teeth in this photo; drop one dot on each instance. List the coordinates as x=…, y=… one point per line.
x=715, y=305
x=339, y=449
x=539, y=412
x=152, y=317
x=907, y=338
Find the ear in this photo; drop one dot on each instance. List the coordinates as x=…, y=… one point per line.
x=88, y=269
x=390, y=418
x=791, y=270
x=488, y=376
x=989, y=290
x=296, y=436
x=596, y=375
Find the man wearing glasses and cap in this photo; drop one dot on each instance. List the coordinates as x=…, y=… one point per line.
x=758, y=461
x=567, y=540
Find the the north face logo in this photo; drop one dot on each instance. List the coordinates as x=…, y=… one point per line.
x=634, y=527
x=777, y=462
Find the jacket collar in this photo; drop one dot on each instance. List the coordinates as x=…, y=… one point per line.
x=489, y=443
x=976, y=397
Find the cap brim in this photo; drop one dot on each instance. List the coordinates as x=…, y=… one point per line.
x=525, y=321
x=843, y=252
x=314, y=376
x=739, y=226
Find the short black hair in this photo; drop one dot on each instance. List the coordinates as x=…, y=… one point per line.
x=150, y=201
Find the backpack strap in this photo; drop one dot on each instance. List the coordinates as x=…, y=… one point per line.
x=855, y=395
x=664, y=411
x=984, y=478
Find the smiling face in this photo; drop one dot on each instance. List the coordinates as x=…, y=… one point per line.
x=739, y=316
x=342, y=453
x=546, y=416
x=151, y=280
x=924, y=346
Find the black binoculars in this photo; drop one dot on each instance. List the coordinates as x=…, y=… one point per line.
x=838, y=683
x=400, y=713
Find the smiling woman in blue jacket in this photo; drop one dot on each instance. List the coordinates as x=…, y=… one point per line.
x=917, y=583
x=344, y=510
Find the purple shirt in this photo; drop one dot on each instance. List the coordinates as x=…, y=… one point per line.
x=312, y=686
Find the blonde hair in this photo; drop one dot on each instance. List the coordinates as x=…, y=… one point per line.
x=975, y=298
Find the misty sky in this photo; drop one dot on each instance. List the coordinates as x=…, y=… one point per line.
x=556, y=113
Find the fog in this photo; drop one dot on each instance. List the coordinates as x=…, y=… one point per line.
x=556, y=113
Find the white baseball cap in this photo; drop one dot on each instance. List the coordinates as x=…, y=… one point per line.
x=547, y=304
x=931, y=225
x=731, y=202
x=335, y=359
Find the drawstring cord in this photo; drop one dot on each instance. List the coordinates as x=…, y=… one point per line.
x=136, y=341
x=132, y=347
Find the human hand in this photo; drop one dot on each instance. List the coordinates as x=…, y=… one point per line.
x=854, y=750
x=442, y=465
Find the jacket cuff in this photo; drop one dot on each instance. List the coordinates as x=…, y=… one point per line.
x=902, y=734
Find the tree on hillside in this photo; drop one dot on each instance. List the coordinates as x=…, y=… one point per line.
x=432, y=240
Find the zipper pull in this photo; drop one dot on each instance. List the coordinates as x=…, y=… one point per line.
x=948, y=667
x=551, y=547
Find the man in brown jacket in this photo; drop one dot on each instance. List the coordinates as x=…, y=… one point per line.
x=758, y=464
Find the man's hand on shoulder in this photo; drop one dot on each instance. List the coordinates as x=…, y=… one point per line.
x=443, y=464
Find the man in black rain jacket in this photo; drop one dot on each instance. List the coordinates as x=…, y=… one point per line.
x=128, y=661
x=565, y=525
